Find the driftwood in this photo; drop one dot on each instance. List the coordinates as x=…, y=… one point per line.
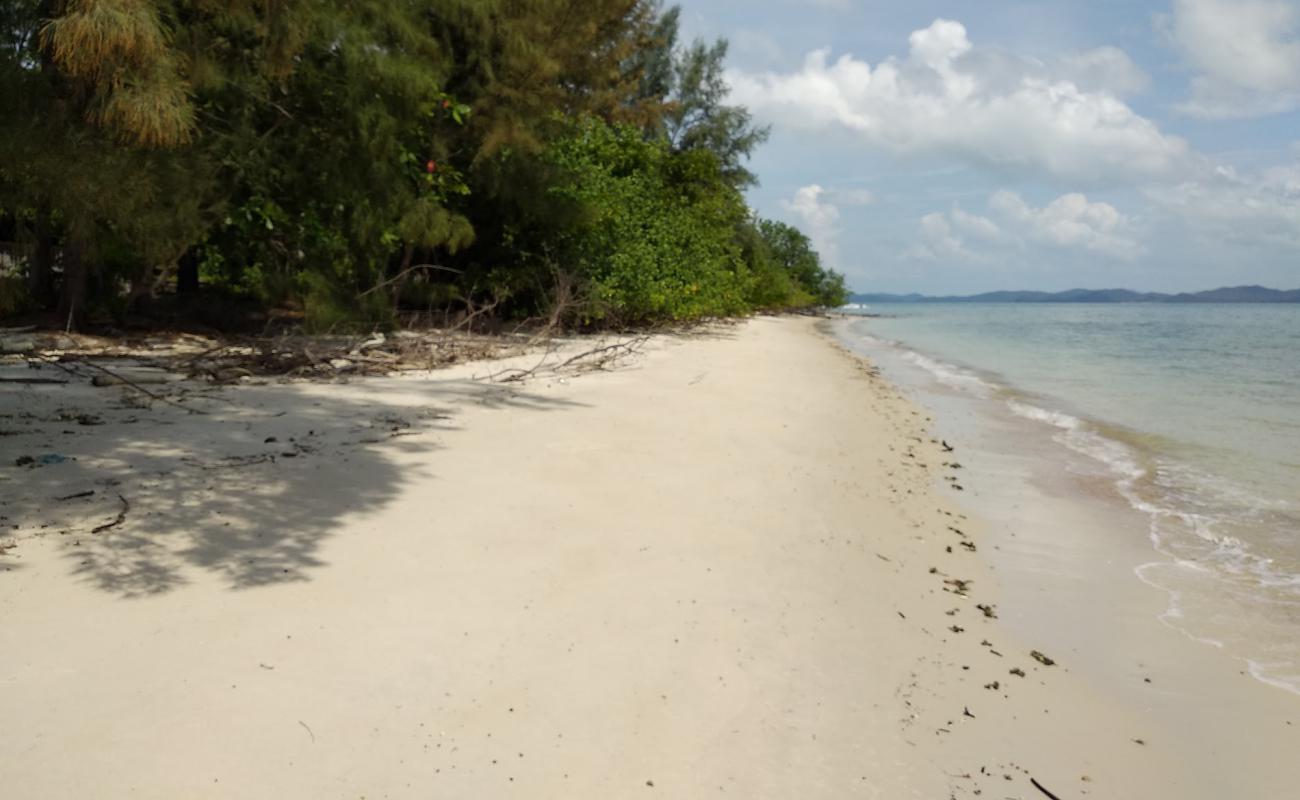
x=336, y=356
x=134, y=385
x=597, y=358
x=118, y=520
x=115, y=380
x=32, y=380
x=1040, y=787
x=314, y=357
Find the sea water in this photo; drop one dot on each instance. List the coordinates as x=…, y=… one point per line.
x=1192, y=414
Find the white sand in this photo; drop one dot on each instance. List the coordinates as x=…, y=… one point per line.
x=705, y=574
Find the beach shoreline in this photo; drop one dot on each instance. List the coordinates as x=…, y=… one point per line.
x=736, y=565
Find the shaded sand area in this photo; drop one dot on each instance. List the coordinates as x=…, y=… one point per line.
x=730, y=567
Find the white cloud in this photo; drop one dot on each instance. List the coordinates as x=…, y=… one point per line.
x=1071, y=222
x=1259, y=210
x=976, y=226
x=818, y=215
x=1247, y=53
x=1105, y=69
x=940, y=242
x=948, y=97
x=820, y=220
x=818, y=209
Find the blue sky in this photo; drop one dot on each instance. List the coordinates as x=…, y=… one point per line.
x=953, y=147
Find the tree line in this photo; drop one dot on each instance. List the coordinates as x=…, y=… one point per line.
x=378, y=162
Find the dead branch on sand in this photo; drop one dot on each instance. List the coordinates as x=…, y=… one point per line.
x=594, y=360
x=118, y=520
x=1043, y=789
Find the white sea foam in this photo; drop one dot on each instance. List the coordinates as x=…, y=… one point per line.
x=1189, y=538
x=948, y=374
x=1055, y=418
x=1205, y=570
x=1078, y=436
x=1261, y=673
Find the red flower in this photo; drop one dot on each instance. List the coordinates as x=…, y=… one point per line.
x=446, y=104
x=431, y=167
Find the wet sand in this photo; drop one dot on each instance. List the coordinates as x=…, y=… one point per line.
x=733, y=566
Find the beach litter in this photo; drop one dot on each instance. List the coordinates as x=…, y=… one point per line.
x=43, y=460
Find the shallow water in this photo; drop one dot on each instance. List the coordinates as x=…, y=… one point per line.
x=1190, y=412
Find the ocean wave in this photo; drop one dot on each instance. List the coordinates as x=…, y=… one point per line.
x=1082, y=438
x=1221, y=572
x=1056, y=418
x=948, y=374
x=1266, y=673
x=1190, y=513
x=1209, y=530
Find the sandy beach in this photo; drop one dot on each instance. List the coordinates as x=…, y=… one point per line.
x=734, y=565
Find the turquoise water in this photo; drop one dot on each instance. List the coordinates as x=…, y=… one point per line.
x=1195, y=412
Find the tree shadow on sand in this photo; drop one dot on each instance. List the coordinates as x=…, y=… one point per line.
x=248, y=491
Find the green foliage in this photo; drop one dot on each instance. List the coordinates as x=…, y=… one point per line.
x=14, y=295
x=689, y=84
x=653, y=238
x=771, y=287
x=699, y=119
x=321, y=156
x=792, y=251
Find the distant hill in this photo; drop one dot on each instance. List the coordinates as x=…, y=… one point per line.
x=1227, y=294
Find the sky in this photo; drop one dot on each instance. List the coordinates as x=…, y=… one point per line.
x=967, y=146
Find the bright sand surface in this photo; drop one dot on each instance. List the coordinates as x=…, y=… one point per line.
x=722, y=569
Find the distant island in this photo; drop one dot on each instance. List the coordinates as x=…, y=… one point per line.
x=1227, y=294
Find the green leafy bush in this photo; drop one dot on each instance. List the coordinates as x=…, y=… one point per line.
x=654, y=233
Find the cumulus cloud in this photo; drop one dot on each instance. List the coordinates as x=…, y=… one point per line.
x=940, y=241
x=1070, y=222
x=948, y=97
x=1104, y=69
x=819, y=217
x=1247, y=54
x=818, y=211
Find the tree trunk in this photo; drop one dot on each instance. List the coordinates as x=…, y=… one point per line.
x=72, y=293
x=40, y=264
x=187, y=273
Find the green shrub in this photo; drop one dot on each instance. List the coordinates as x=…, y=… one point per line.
x=654, y=237
x=14, y=298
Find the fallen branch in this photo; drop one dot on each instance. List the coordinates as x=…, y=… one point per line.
x=76, y=495
x=31, y=380
x=404, y=273
x=118, y=520
x=237, y=461
x=1043, y=789
x=113, y=380
x=630, y=346
x=519, y=374
x=119, y=379
x=607, y=353
x=132, y=384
